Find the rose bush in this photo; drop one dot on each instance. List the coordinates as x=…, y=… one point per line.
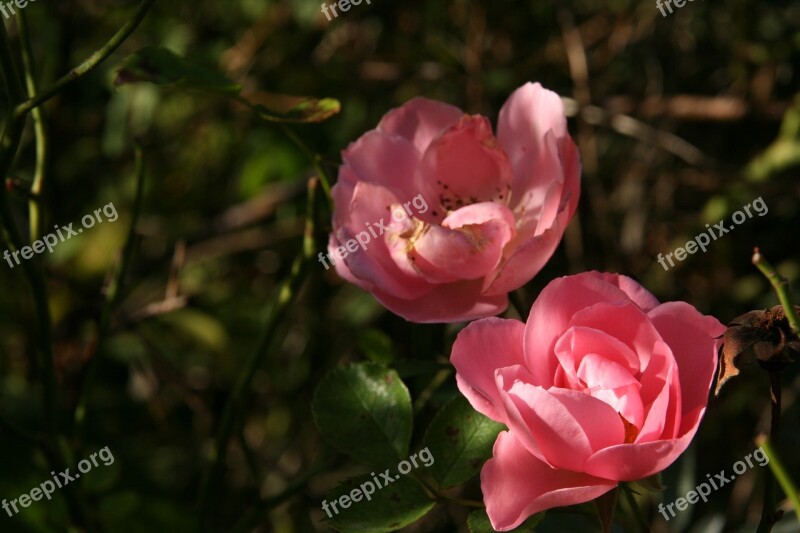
x=495, y=208
x=603, y=384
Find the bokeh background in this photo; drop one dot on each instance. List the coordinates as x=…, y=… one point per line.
x=681, y=120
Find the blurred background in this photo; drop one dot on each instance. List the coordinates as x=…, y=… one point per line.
x=681, y=120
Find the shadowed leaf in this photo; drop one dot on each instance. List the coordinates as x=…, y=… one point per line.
x=364, y=410
x=389, y=508
x=161, y=66
x=461, y=440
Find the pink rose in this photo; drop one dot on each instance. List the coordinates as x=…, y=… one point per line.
x=603, y=384
x=439, y=219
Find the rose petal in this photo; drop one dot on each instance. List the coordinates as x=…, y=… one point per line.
x=624, y=321
x=478, y=350
x=552, y=313
x=390, y=161
x=529, y=114
x=374, y=267
x=465, y=165
x=578, y=341
x=516, y=485
x=692, y=338
x=453, y=302
x=638, y=294
x=420, y=120
x=527, y=258
x=661, y=396
x=614, y=385
x=468, y=245
x=567, y=426
x=629, y=462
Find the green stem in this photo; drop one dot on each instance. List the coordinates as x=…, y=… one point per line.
x=8, y=148
x=44, y=364
x=635, y=509
x=781, y=286
x=438, y=496
x=13, y=129
x=277, y=311
x=461, y=501
x=89, y=64
x=516, y=300
x=316, y=160
x=251, y=520
x=39, y=130
x=438, y=380
x=768, y=515
x=250, y=457
x=780, y=474
x=113, y=292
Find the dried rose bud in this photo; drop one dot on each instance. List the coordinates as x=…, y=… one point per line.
x=762, y=336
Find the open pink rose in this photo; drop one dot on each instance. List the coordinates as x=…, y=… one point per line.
x=603, y=384
x=439, y=219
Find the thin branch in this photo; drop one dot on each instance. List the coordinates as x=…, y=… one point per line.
x=113, y=291
x=8, y=149
x=636, y=511
x=779, y=472
x=631, y=127
x=89, y=64
x=316, y=160
x=39, y=130
x=278, y=308
x=768, y=513
x=781, y=286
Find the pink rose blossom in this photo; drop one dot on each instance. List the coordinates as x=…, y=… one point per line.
x=603, y=384
x=488, y=211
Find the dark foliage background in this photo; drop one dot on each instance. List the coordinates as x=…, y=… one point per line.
x=223, y=215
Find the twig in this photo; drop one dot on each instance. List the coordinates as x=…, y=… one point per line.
x=316, y=160
x=249, y=521
x=768, y=513
x=780, y=474
x=781, y=286
x=89, y=64
x=278, y=308
x=39, y=130
x=635, y=509
x=8, y=149
x=113, y=292
x=631, y=127
x=438, y=380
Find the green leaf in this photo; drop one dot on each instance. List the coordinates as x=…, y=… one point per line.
x=364, y=410
x=478, y=522
x=651, y=483
x=306, y=110
x=161, y=66
x=376, y=346
x=158, y=65
x=461, y=439
x=389, y=508
x=605, y=505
